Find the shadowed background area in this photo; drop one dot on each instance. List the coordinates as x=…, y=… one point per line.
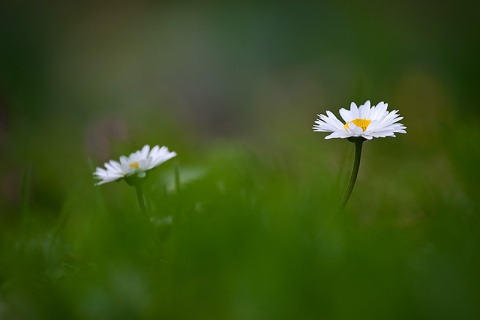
x=248, y=230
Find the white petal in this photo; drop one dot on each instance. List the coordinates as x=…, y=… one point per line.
x=154, y=152
x=116, y=165
x=110, y=168
x=144, y=164
x=346, y=115
x=334, y=121
x=144, y=153
x=354, y=112
x=330, y=123
x=123, y=161
x=378, y=111
x=163, y=157
x=337, y=134
x=356, y=131
x=364, y=110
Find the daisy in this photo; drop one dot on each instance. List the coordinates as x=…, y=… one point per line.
x=364, y=121
x=135, y=165
x=361, y=124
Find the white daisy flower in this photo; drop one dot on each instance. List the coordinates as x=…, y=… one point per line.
x=138, y=163
x=364, y=121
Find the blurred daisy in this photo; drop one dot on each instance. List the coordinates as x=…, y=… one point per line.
x=135, y=165
x=364, y=121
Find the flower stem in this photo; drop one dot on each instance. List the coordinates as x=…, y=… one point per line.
x=356, y=165
x=141, y=201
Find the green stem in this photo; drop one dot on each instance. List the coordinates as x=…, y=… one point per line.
x=356, y=166
x=177, y=189
x=141, y=201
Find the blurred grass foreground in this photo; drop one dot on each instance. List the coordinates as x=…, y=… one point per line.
x=243, y=222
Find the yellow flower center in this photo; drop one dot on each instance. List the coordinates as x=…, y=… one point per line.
x=362, y=123
x=134, y=165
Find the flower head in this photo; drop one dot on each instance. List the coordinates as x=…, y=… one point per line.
x=364, y=121
x=137, y=164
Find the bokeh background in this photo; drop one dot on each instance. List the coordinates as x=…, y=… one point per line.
x=243, y=222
